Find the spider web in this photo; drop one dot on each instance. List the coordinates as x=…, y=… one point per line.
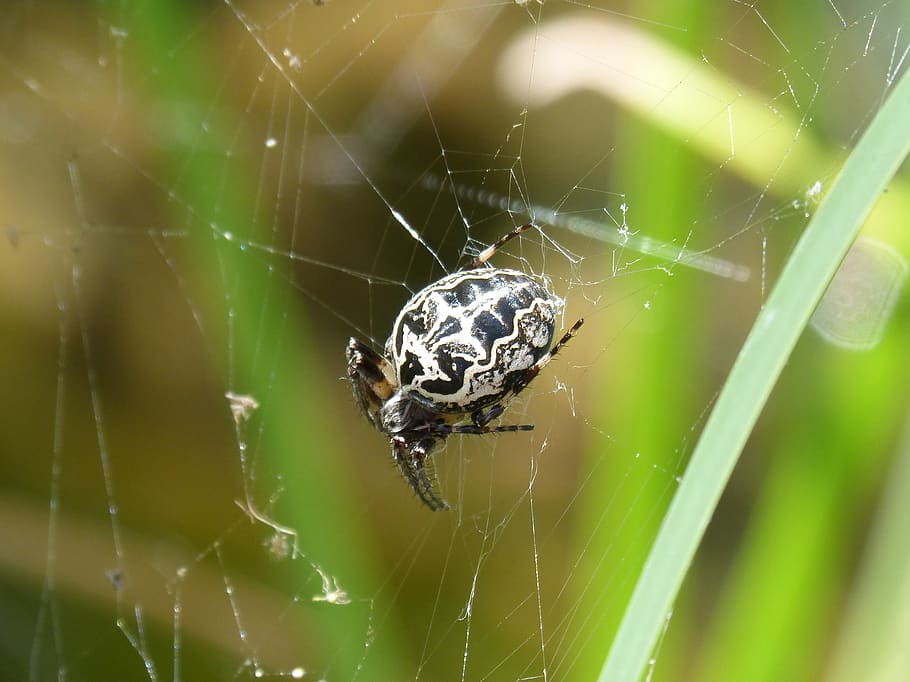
x=203, y=203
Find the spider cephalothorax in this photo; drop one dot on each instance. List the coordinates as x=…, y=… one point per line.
x=460, y=349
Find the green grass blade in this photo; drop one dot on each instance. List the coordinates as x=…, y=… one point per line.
x=813, y=263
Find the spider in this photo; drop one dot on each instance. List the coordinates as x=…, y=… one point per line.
x=461, y=348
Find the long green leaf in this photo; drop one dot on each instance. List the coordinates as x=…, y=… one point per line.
x=810, y=268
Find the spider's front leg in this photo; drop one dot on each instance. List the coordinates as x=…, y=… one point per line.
x=372, y=379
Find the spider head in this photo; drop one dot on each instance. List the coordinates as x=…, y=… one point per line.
x=401, y=415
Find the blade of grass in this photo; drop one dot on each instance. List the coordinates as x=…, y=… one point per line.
x=835, y=411
x=813, y=263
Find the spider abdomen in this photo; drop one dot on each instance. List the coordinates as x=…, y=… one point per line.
x=467, y=340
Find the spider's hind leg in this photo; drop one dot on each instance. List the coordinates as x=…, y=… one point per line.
x=558, y=346
x=483, y=417
x=488, y=252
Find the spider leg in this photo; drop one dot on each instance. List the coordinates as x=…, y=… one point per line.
x=488, y=252
x=473, y=429
x=483, y=417
x=417, y=467
x=529, y=376
x=372, y=379
x=568, y=336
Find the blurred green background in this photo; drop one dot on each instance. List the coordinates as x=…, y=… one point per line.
x=208, y=197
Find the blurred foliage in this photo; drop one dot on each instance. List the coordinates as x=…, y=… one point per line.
x=142, y=198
